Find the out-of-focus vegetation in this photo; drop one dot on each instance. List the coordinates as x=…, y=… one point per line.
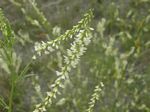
x=114, y=73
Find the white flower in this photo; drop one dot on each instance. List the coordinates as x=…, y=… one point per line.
x=43, y=109
x=56, y=30
x=66, y=60
x=101, y=83
x=34, y=57
x=58, y=73
x=69, y=52
x=87, y=40
x=46, y=52
x=49, y=94
x=39, y=53
x=36, y=111
x=49, y=48
x=37, y=46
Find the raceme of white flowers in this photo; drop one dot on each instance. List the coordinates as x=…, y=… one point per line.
x=71, y=59
x=95, y=96
x=50, y=46
x=78, y=47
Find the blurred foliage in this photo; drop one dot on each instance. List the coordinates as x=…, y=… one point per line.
x=119, y=55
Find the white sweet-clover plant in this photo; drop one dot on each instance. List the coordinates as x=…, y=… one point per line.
x=82, y=34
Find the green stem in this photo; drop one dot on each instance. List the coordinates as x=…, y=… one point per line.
x=12, y=79
x=11, y=96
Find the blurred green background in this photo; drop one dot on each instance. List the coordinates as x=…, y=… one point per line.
x=119, y=55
